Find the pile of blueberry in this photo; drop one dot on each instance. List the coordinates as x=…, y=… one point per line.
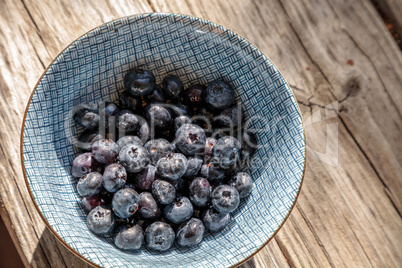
x=163, y=164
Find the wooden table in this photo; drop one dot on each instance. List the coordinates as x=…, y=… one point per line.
x=345, y=68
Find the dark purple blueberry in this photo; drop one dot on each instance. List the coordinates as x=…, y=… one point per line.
x=128, y=237
x=87, y=139
x=89, y=203
x=212, y=171
x=227, y=149
x=178, y=109
x=173, y=87
x=200, y=192
x=86, y=115
x=139, y=82
x=84, y=164
x=123, y=141
x=230, y=117
x=125, y=202
x=126, y=122
x=100, y=220
x=190, y=139
x=181, y=186
x=181, y=120
x=148, y=207
x=218, y=95
x=106, y=196
x=157, y=149
x=249, y=143
x=179, y=210
x=243, y=184
x=89, y=184
x=163, y=191
x=215, y=221
x=158, y=116
x=193, y=167
x=134, y=158
x=105, y=151
x=127, y=102
x=140, y=220
x=190, y=233
x=155, y=96
x=145, y=178
x=114, y=177
x=107, y=110
x=209, y=146
x=173, y=166
x=159, y=236
x=144, y=130
x=193, y=95
x=225, y=198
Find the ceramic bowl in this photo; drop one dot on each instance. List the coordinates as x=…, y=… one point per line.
x=92, y=68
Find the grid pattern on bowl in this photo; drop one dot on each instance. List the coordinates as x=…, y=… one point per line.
x=198, y=51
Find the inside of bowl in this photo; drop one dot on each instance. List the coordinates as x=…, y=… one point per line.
x=92, y=70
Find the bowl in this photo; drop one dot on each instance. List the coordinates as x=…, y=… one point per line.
x=91, y=69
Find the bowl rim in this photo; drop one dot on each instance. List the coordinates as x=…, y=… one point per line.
x=138, y=16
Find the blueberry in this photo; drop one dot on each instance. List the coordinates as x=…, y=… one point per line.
x=225, y=198
x=181, y=120
x=91, y=202
x=105, y=151
x=243, y=184
x=84, y=164
x=179, y=210
x=173, y=87
x=200, y=192
x=209, y=146
x=87, y=139
x=123, y=141
x=173, y=166
x=159, y=236
x=230, y=117
x=148, y=208
x=212, y=171
x=127, y=102
x=100, y=220
x=86, y=115
x=215, y=221
x=89, y=184
x=190, y=233
x=134, y=158
x=227, y=149
x=107, y=110
x=193, y=95
x=193, y=167
x=163, y=191
x=155, y=96
x=158, y=116
x=190, y=139
x=127, y=122
x=178, y=109
x=125, y=202
x=145, y=178
x=114, y=177
x=218, y=95
x=139, y=82
x=144, y=130
x=157, y=149
x=128, y=237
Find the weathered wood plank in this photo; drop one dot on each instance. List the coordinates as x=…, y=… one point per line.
x=347, y=213
x=391, y=10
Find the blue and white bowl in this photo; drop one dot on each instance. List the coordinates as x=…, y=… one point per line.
x=91, y=69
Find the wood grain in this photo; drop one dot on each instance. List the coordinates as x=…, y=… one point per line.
x=331, y=52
